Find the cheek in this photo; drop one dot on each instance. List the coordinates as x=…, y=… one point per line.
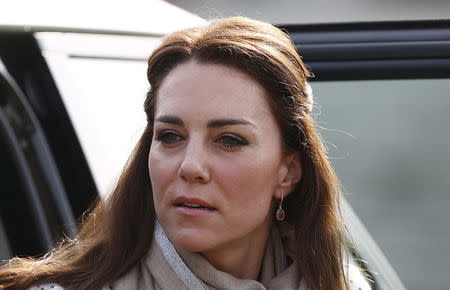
x=248, y=186
x=251, y=181
x=161, y=171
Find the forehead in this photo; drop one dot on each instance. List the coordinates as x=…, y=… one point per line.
x=212, y=91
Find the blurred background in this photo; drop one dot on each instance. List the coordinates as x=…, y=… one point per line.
x=389, y=141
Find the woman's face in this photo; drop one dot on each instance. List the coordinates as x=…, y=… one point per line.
x=216, y=160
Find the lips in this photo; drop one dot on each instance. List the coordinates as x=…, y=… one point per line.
x=193, y=203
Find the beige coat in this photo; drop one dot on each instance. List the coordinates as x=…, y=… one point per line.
x=165, y=267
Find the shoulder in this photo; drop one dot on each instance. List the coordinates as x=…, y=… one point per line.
x=356, y=279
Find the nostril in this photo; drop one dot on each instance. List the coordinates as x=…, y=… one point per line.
x=192, y=178
x=198, y=179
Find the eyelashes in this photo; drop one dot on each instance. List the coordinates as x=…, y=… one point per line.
x=229, y=141
x=168, y=137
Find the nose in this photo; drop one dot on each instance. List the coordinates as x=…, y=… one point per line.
x=193, y=168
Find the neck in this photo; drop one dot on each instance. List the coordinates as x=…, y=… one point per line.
x=241, y=258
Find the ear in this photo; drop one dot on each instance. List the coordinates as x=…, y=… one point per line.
x=289, y=175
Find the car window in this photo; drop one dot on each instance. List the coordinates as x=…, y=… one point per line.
x=118, y=88
x=5, y=250
x=389, y=142
x=102, y=81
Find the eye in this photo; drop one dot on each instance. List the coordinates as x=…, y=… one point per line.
x=169, y=137
x=231, y=141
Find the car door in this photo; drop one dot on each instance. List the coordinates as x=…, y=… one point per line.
x=44, y=184
x=34, y=207
x=384, y=112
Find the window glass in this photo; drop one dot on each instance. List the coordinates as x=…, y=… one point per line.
x=102, y=81
x=389, y=142
x=5, y=250
x=105, y=102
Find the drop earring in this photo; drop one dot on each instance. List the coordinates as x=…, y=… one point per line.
x=280, y=212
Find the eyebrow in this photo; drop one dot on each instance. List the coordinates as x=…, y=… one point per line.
x=211, y=124
x=169, y=119
x=227, y=122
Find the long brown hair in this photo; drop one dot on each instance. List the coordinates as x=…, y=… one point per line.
x=117, y=232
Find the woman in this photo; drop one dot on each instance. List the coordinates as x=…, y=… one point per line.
x=229, y=186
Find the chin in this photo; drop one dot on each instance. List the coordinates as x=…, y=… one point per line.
x=191, y=240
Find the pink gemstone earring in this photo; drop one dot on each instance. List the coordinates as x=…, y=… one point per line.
x=280, y=212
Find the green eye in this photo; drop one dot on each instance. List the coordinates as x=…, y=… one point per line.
x=168, y=137
x=232, y=141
